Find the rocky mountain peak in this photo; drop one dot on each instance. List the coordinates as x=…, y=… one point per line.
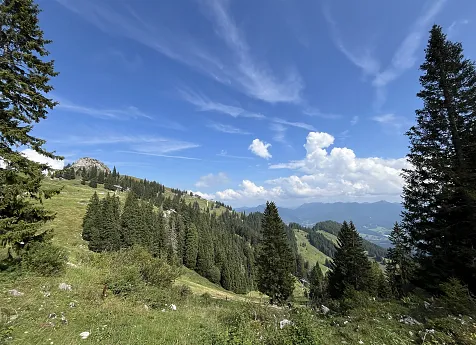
x=89, y=163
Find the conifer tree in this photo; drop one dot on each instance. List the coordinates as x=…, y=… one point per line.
x=90, y=220
x=440, y=187
x=107, y=238
x=93, y=183
x=399, y=266
x=130, y=221
x=275, y=261
x=316, y=282
x=191, y=246
x=24, y=80
x=350, y=267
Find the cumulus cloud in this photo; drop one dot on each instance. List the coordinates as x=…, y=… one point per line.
x=328, y=174
x=39, y=158
x=212, y=180
x=204, y=195
x=249, y=190
x=260, y=149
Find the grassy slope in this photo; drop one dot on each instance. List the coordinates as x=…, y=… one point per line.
x=309, y=252
x=118, y=321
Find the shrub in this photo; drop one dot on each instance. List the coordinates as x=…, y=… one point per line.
x=214, y=274
x=158, y=273
x=124, y=279
x=456, y=297
x=353, y=299
x=45, y=259
x=185, y=291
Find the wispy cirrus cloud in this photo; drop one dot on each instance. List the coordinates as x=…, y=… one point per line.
x=224, y=153
x=317, y=113
x=294, y=124
x=144, y=144
x=125, y=113
x=454, y=27
x=203, y=103
x=279, y=132
x=404, y=57
x=237, y=67
x=392, y=122
x=224, y=128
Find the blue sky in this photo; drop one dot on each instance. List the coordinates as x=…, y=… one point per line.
x=245, y=101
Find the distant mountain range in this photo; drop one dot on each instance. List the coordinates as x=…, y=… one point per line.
x=373, y=220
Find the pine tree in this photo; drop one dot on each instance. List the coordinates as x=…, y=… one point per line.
x=440, y=188
x=107, y=238
x=350, y=267
x=90, y=220
x=316, y=282
x=101, y=177
x=24, y=79
x=275, y=261
x=399, y=265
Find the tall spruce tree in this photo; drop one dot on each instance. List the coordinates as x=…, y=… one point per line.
x=350, y=267
x=275, y=261
x=24, y=80
x=399, y=266
x=317, y=286
x=90, y=220
x=440, y=187
x=191, y=246
x=130, y=221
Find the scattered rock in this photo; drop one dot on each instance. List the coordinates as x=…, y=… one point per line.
x=63, y=319
x=72, y=264
x=146, y=307
x=72, y=305
x=15, y=293
x=408, y=320
x=46, y=293
x=173, y=307
x=52, y=316
x=163, y=310
x=346, y=322
x=283, y=323
x=324, y=309
x=84, y=335
x=65, y=287
x=426, y=304
x=361, y=342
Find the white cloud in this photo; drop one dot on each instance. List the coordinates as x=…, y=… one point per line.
x=404, y=57
x=204, y=195
x=392, y=122
x=249, y=190
x=355, y=120
x=260, y=149
x=39, y=158
x=141, y=142
x=224, y=153
x=211, y=180
x=279, y=132
x=316, y=112
x=235, y=67
x=295, y=124
x=220, y=127
x=453, y=28
x=124, y=113
x=205, y=104
x=327, y=174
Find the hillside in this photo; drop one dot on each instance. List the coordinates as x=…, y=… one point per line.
x=374, y=221
x=309, y=252
x=210, y=315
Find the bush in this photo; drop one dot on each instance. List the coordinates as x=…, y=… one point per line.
x=45, y=259
x=185, y=291
x=214, y=274
x=353, y=299
x=158, y=273
x=133, y=268
x=456, y=298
